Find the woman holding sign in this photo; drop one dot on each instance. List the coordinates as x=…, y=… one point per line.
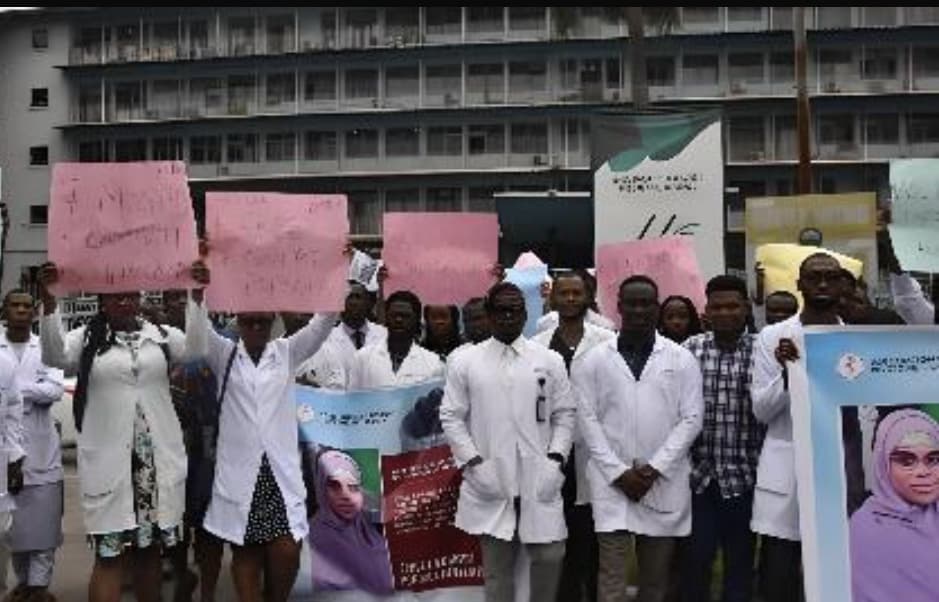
x=258, y=497
x=131, y=459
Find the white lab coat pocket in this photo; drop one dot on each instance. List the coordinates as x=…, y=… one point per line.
x=776, y=471
x=670, y=494
x=485, y=481
x=550, y=479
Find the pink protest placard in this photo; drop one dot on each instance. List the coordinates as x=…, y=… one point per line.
x=671, y=262
x=444, y=258
x=276, y=252
x=121, y=227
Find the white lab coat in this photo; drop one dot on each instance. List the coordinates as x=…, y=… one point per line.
x=551, y=320
x=593, y=336
x=490, y=409
x=258, y=417
x=654, y=420
x=909, y=301
x=331, y=366
x=40, y=387
x=116, y=385
x=371, y=368
x=775, y=498
x=11, y=434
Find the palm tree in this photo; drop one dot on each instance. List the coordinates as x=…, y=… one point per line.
x=660, y=19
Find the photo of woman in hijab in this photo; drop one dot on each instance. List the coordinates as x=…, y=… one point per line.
x=348, y=552
x=895, y=535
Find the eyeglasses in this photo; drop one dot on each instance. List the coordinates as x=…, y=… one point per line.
x=908, y=461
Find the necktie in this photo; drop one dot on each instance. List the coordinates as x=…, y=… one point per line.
x=358, y=338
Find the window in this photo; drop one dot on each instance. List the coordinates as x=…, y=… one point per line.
x=207, y=94
x=444, y=199
x=660, y=70
x=487, y=80
x=40, y=38
x=362, y=144
x=205, y=149
x=746, y=68
x=402, y=142
x=280, y=34
x=133, y=149
x=834, y=17
x=571, y=142
x=923, y=128
x=445, y=141
x=700, y=15
x=362, y=83
x=167, y=149
x=281, y=89
x=39, y=155
x=882, y=128
x=744, y=14
x=243, y=148
x=280, y=146
x=485, y=20
x=529, y=138
x=836, y=130
x=528, y=76
x=700, y=69
x=612, y=74
x=320, y=86
x=240, y=94
x=747, y=142
x=364, y=212
x=443, y=20
x=782, y=18
x=402, y=81
x=39, y=98
x=128, y=100
x=38, y=215
x=527, y=18
x=320, y=146
x=89, y=102
x=487, y=139
x=402, y=200
x=880, y=16
x=241, y=35
x=481, y=199
x=784, y=132
x=165, y=100
x=879, y=63
x=443, y=80
x=361, y=27
x=93, y=151
x=402, y=25
x=781, y=68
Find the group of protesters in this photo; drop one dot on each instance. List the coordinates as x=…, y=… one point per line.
x=665, y=435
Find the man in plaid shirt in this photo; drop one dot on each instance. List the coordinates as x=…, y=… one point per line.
x=725, y=456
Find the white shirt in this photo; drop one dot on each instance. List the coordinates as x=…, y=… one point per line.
x=122, y=378
x=258, y=417
x=909, y=301
x=551, y=320
x=593, y=336
x=371, y=368
x=775, y=499
x=331, y=366
x=11, y=431
x=628, y=422
x=40, y=387
x=511, y=405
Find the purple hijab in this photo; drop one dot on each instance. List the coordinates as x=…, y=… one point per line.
x=895, y=544
x=346, y=555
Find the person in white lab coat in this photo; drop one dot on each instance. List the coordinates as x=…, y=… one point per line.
x=37, y=520
x=641, y=409
x=775, y=501
x=331, y=366
x=509, y=416
x=398, y=360
x=258, y=497
x=550, y=320
x=131, y=457
x=12, y=450
x=572, y=339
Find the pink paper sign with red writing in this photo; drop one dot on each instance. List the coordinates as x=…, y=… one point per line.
x=276, y=252
x=671, y=262
x=444, y=258
x=121, y=227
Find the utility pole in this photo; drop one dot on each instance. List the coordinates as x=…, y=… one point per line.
x=803, y=110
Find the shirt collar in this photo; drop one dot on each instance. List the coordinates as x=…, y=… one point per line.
x=518, y=345
x=645, y=347
x=351, y=331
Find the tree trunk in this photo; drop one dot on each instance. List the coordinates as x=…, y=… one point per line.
x=803, y=110
x=638, y=81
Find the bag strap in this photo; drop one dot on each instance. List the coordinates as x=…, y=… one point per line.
x=221, y=395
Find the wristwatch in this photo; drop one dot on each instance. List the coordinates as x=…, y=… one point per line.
x=557, y=458
x=474, y=461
